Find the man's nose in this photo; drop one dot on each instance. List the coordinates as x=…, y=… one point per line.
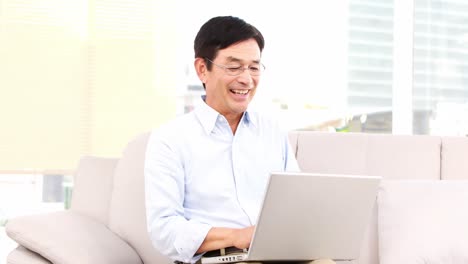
x=245, y=77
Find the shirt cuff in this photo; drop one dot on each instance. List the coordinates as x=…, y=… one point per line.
x=190, y=239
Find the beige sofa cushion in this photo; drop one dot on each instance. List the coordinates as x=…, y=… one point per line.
x=454, y=158
x=127, y=214
x=92, y=187
x=22, y=255
x=423, y=221
x=322, y=151
x=397, y=157
x=67, y=237
x=389, y=156
x=403, y=156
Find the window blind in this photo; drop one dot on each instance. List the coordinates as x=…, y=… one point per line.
x=440, y=93
x=42, y=70
x=76, y=78
x=370, y=54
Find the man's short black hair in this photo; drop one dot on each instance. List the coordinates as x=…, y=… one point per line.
x=221, y=32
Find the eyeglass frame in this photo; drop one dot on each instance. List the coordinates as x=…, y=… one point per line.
x=229, y=70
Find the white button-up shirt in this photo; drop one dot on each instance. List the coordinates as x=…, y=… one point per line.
x=198, y=175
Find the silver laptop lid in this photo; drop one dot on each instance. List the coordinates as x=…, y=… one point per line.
x=308, y=216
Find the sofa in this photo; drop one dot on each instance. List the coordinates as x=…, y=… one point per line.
x=106, y=222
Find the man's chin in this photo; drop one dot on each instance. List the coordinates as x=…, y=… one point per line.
x=241, y=107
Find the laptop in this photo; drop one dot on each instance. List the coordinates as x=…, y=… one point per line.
x=309, y=216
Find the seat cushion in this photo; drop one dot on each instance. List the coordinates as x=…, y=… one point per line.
x=127, y=215
x=67, y=237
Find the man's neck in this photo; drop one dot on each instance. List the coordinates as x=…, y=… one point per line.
x=233, y=121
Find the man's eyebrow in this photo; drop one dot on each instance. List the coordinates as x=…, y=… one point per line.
x=234, y=59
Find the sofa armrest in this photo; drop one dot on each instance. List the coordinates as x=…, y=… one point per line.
x=68, y=237
x=22, y=255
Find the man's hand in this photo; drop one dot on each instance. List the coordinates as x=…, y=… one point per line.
x=221, y=237
x=242, y=237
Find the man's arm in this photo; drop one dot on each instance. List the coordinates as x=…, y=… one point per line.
x=221, y=237
x=170, y=232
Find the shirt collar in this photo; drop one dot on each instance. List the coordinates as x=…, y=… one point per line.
x=208, y=116
x=249, y=118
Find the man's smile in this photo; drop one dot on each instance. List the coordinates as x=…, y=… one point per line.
x=239, y=91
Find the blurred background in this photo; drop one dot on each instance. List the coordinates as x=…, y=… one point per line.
x=82, y=77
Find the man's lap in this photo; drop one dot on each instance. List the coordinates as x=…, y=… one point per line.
x=320, y=261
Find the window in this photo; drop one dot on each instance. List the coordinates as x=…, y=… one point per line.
x=440, y=80
x=370, y=65
x=362, y=65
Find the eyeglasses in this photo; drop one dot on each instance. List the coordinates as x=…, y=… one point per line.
x=234, y=69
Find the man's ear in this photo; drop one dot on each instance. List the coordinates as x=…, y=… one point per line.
x=200, y=67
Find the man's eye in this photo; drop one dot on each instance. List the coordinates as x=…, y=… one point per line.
x=254, y=68
x=233, y=68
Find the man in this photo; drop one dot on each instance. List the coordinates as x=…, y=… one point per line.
x=206, y=171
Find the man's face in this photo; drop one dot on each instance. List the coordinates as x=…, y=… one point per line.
x=231, y=95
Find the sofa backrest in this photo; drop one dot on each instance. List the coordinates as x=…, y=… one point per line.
x=92, y=187
x=454, y=158
x=127, y=216
x=389, y=156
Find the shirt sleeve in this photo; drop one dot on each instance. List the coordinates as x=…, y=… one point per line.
x=170, y=232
